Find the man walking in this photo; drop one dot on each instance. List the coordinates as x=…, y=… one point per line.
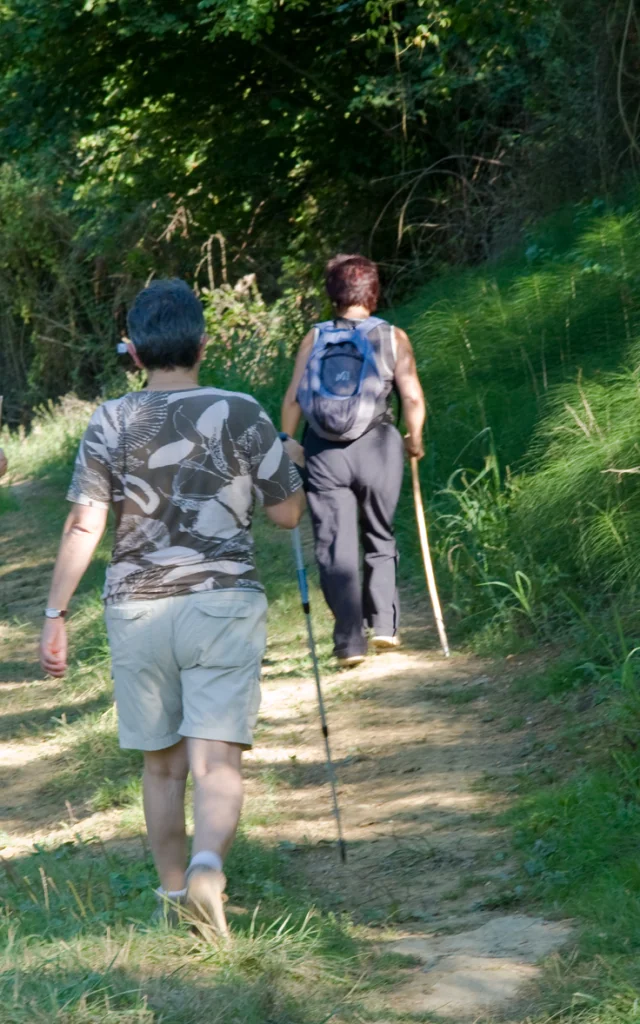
x=179, y=465
x=344, y=375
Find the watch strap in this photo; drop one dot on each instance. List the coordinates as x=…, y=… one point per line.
x=55, y=613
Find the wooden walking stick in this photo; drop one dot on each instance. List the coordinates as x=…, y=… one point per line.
x=1, y=426
x=426, y=557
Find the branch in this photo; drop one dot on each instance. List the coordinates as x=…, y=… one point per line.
x=322, y=86
x=623, y=46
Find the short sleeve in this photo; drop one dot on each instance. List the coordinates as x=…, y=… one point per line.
x=275, y=477
x=91, y=483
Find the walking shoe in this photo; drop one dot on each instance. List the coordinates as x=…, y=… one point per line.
x=205, y=899
x=350, y=660
x=169, y=909
x=386, y=643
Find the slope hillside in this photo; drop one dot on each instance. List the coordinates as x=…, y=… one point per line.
x=530, y=367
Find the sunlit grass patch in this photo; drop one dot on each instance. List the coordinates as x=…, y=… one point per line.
x=79, y=946
x=48, y=450
x=92, y=764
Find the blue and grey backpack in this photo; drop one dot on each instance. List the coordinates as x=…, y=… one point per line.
x=344, y=390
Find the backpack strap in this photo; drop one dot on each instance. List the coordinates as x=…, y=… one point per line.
x=324, y=325
x=385, y=344
x=365, y=326
x=368, y=325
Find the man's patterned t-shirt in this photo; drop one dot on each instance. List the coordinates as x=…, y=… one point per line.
x=181, y=469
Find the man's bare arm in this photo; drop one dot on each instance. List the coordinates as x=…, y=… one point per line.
x=411, y=395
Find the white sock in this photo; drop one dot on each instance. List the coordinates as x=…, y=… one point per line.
x=169, y=894
x=206, y=859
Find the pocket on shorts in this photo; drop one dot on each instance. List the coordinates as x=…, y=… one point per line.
x=126, y=612
x=226, y=609
x=223, y=634
x=128, y=631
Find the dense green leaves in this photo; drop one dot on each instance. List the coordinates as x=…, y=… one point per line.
x=292, y=110
x=423, y=132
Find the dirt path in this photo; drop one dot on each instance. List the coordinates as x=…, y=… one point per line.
x=413, y=737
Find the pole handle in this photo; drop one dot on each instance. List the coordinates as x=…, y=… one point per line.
x=426, y=557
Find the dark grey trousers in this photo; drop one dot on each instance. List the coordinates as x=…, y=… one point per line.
x=354, y=488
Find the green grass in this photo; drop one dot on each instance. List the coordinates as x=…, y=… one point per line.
x=493, y=342
x=575, y=828
x=530, y=368
x=49, y=449
x=559, y=678
x=78, y=945
x=7, y=501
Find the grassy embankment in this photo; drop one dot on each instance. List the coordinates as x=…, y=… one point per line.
x=530, y=371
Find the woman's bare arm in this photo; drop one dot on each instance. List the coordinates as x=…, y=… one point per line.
x=80, y=537
x=411, y=395
x=291, y=411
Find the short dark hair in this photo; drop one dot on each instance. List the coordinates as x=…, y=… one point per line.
x=166, y=324
x=352, y=280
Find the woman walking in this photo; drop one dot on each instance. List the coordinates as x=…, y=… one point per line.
x=345, y=373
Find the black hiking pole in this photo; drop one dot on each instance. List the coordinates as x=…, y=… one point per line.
x=304, y=595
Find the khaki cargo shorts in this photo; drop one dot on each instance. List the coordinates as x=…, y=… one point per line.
x=187, y=666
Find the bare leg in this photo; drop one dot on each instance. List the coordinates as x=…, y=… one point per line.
x=164, y=782
x=217, y=802
x=218, y=793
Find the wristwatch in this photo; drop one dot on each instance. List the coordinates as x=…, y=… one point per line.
x=54, y=613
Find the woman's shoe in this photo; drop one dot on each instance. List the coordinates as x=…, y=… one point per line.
x=170, y=907
x=351, y=660
x=386, y=643
x=205, y=903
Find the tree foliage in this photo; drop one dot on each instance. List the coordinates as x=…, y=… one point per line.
x=422, y=132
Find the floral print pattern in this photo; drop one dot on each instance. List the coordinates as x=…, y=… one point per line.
x=181, y=470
